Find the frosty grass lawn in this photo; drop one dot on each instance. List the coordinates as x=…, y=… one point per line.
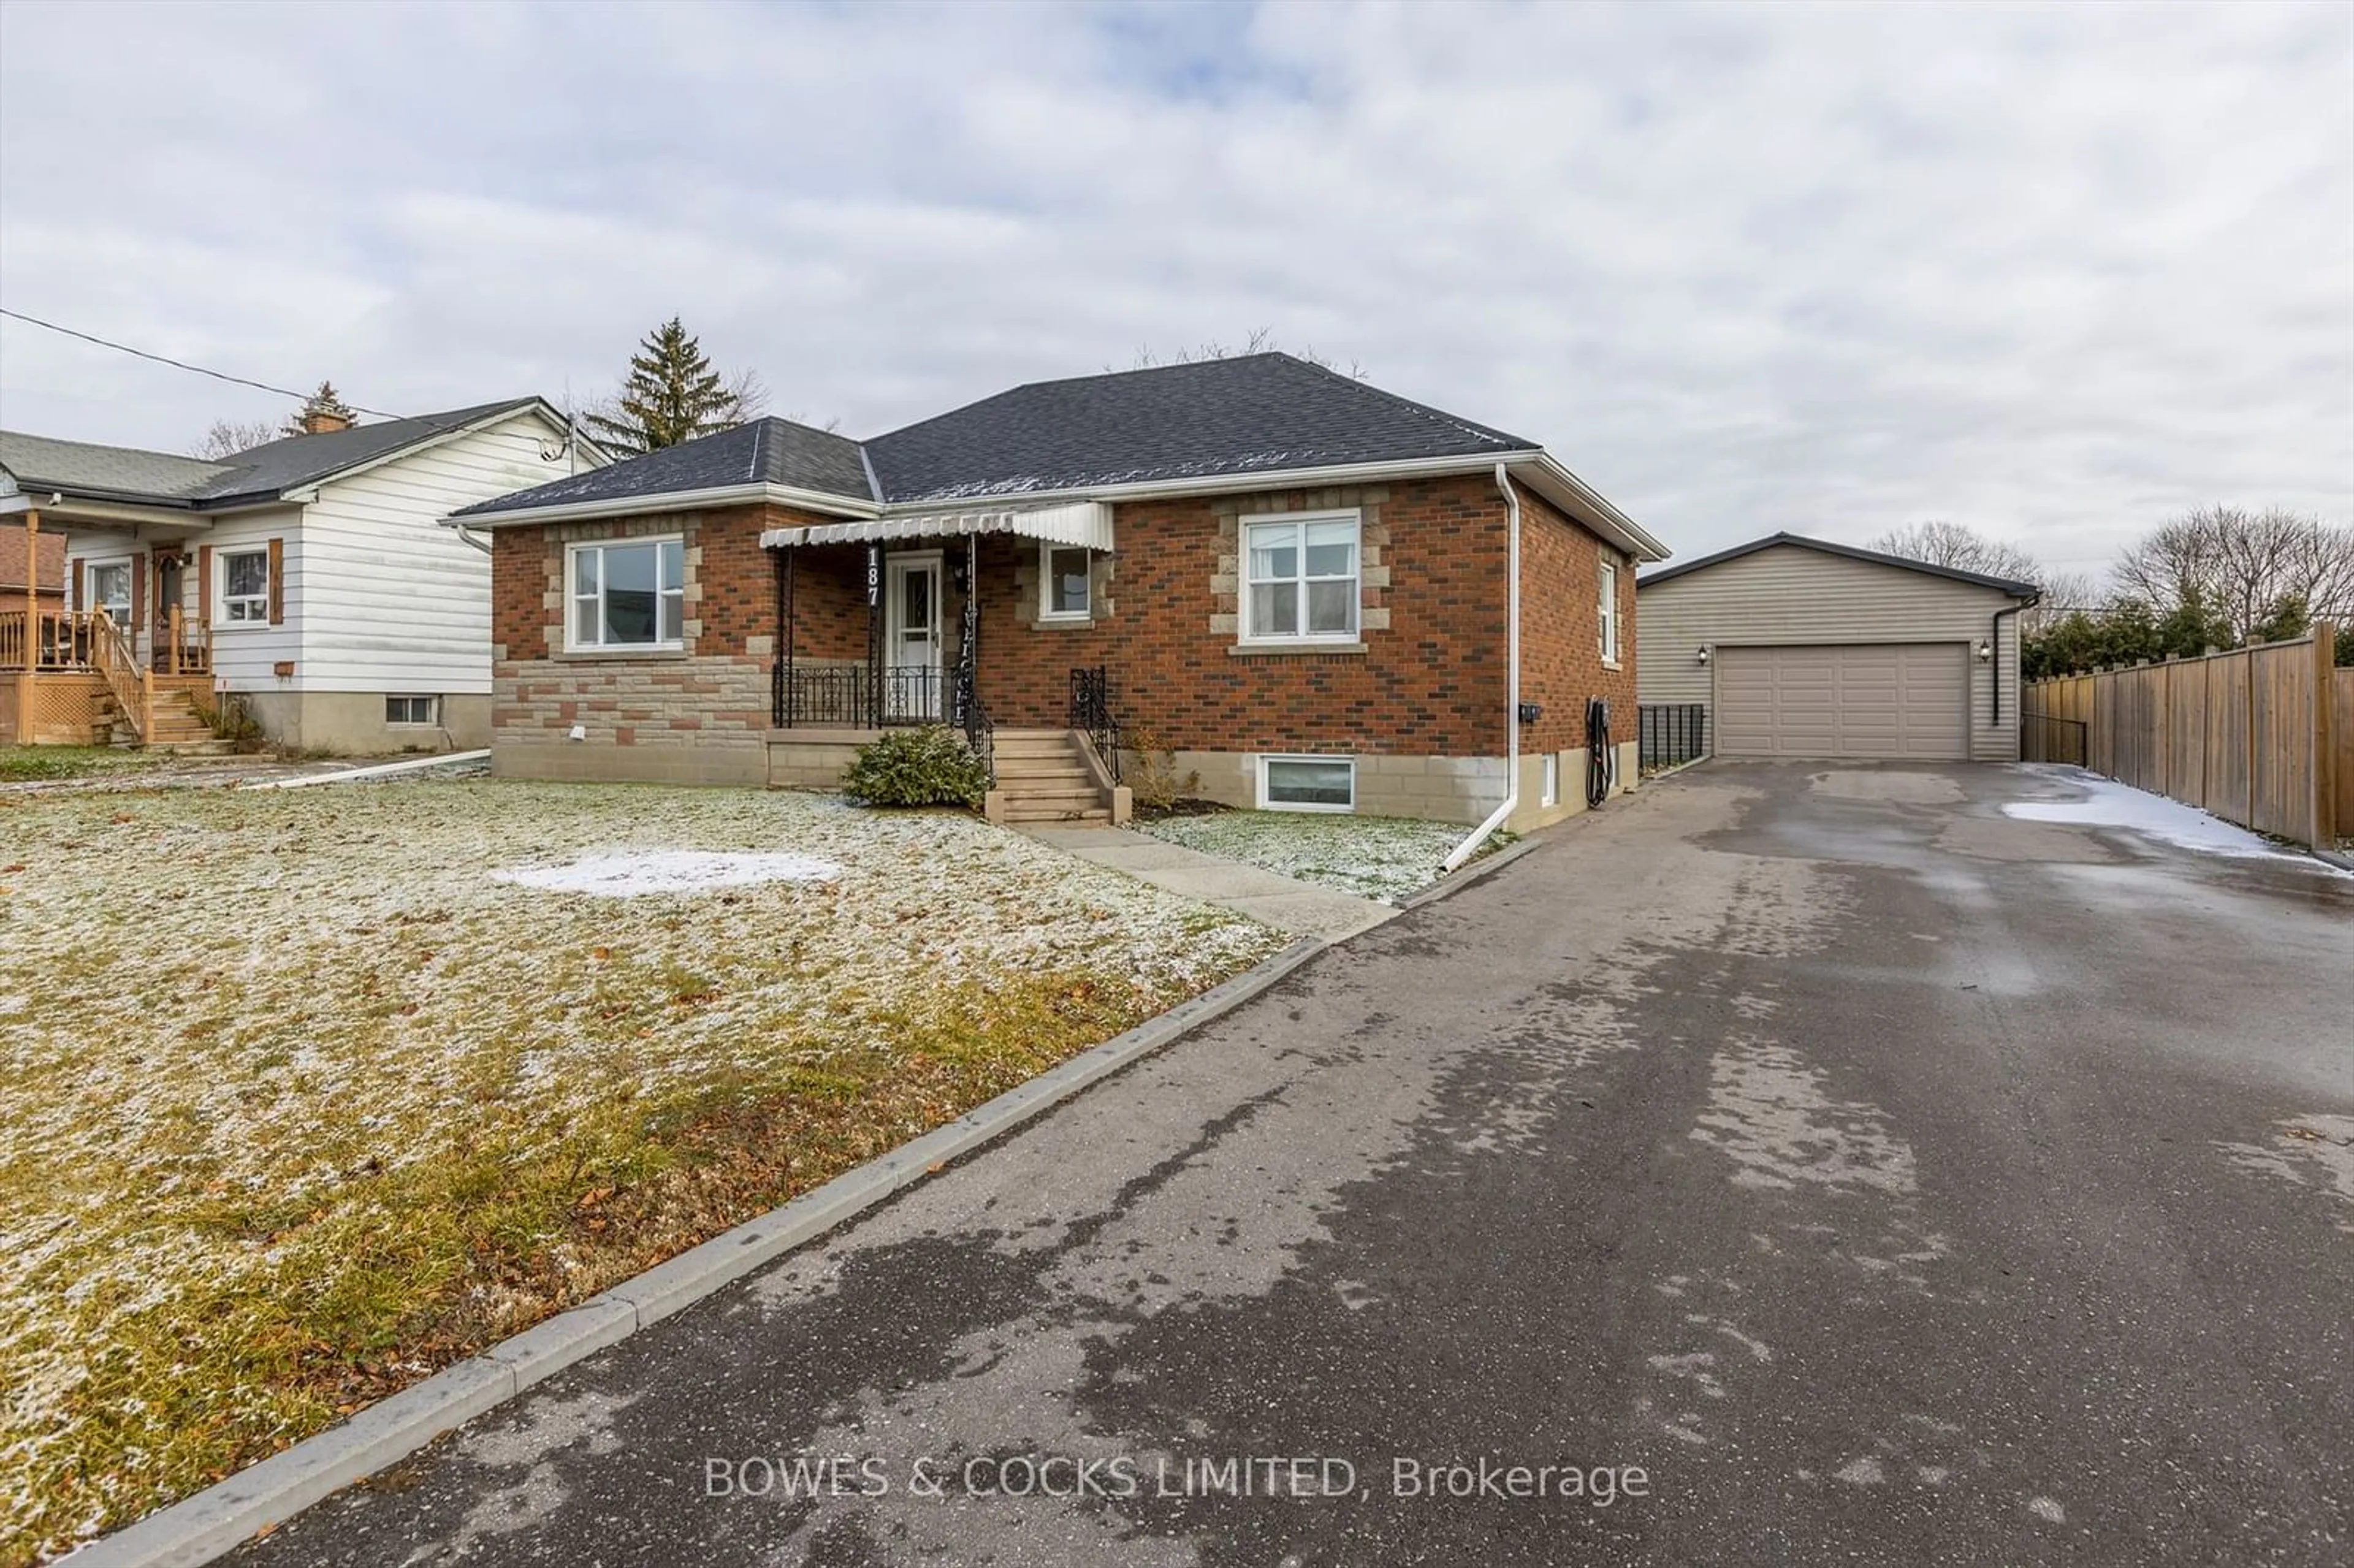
x=300, y=1101
x=1373, y=857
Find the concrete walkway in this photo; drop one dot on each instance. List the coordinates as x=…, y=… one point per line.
x=1302, y=908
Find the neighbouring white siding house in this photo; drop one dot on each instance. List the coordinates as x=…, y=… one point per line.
x=396, y=604
x=1821, y=650
x=313, y=574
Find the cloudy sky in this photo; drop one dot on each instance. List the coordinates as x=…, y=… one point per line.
x=2051, y=271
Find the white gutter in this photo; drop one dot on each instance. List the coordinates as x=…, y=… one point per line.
x=1462, y=852
x=1600, y=513
x=675, y=500
x=1283, y=479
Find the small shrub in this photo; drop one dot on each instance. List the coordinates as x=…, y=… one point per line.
x=1155, y=785
x=231, y=720
x=926, y=767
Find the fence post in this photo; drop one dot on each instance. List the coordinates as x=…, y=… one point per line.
x=2325, y=826
x=2254, y=643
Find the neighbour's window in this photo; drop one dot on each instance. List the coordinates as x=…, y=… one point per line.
x=630, y=595
x=1064, y=571
x=1551, y=792
x=245, y=587
x=1607, y=613
x=110, y=590
x=1308, y=783
x=412, y=710
x=1300, y=579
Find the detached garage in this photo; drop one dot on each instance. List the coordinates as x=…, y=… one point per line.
x=1795, y=646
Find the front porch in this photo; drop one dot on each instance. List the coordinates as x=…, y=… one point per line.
x=72, y=678
x=881, y=624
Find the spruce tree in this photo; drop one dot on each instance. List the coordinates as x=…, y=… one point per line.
x=672, y=394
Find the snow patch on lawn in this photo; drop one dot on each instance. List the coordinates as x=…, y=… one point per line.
x=2109, y=804
x=632, y=874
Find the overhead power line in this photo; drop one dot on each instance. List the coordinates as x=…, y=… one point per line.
x=181, y=364
x=234, y=380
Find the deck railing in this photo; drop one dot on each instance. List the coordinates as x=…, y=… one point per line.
x=132, y=684
x=81, y=642
x=185, y=647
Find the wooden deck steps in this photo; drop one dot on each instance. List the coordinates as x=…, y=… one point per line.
x=179, y=727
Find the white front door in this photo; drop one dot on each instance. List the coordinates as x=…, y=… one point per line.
x=911, y=637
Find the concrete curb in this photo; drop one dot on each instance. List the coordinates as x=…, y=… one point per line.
x=1477, y=871
x=2332, y=857
x=201, y=1527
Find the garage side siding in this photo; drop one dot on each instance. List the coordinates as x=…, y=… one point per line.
x=1790, y=596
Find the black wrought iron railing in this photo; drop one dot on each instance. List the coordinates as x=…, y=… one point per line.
x=1670, y=733
x=857, y=697
x=969, y=715
x=2043, y=737
x=1091, y=712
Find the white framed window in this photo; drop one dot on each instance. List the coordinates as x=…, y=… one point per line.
x=110, y=590
x=420, y=711
x=1299, y=578
x=1308, y=783
x=627, y=593
x=1549, y=793
x=244, y=587
x=1606, y=612
x=1064, y=593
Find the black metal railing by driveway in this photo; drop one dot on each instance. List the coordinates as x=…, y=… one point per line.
x=2045, y=738
x=1091, y=711
x=1670, y=733
x=856, y=696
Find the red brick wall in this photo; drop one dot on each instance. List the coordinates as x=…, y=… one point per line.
x=1430, y=682
x=1561, y=660
x=735, y=583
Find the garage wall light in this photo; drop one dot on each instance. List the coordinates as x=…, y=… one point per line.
x=1704, y=652
x=1986, y=651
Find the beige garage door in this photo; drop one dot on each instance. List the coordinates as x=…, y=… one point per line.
x=1892, y=699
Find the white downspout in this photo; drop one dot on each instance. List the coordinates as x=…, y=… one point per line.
x=1462, y=852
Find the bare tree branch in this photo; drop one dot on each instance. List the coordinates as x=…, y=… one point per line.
x=1944, y=543
x=231, y=436
x=2243, y=565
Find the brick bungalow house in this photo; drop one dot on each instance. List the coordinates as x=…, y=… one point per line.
x=1299, y=584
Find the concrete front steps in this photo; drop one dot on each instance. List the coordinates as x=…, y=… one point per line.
x=1051, y=776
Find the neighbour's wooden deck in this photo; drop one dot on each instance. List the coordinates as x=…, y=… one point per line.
x=68, y=677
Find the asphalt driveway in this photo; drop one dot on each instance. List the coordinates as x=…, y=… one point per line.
x=1818, y=1166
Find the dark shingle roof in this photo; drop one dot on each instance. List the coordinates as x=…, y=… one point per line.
x=40, y=462
x=1259, y=413
x=279, y=466
x=769, y=451
x=258, y=473
x=2008, y=585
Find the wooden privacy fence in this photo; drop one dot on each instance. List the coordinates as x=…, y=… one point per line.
x=2262, y=735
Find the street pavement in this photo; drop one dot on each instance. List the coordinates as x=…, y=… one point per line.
x=1785, y=1164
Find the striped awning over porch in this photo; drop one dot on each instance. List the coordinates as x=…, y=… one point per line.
x=1079, y=523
